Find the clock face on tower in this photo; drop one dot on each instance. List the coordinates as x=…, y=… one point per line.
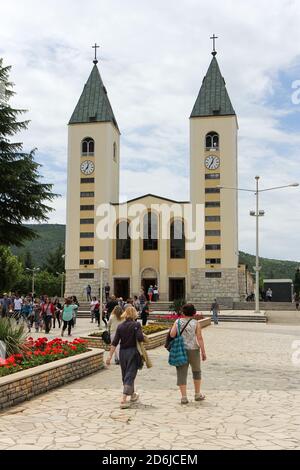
x=87, y=167
x=212, y=162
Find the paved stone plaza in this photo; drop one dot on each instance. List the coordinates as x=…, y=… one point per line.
x=252, y=389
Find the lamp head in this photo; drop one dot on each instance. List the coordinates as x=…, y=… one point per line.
x=101, y=263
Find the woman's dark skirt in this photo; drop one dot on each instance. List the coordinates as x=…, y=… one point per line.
x=129, y=368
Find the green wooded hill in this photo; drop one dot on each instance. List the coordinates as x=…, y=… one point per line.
x=51, y=235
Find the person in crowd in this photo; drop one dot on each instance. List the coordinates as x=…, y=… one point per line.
x=136, y=303
x=128, y=303
x=105, y=315
x=121, y=303
x=17, y=307
x=110, y=305
x=92, y=308
x=48, y=314
x=88, y=293
x=142, y=299
x=155, y=293
x=145, y=313
x=37, y=317
x=127, y=334
x=26, y=313
x=150, y=293
x=5, y=303
x=113, y=323
x=57, y=312
x=106, y=291
x=190, y=329
x=75, y=304
x=67, y=316
x=97, y=311
x=215, y=309
x=269, y=295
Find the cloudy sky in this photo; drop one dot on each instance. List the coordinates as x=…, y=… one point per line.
x=154, y=55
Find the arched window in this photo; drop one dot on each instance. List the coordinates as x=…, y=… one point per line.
x=150, y=231
x=177, y=239
x=115, y=151
x=212, y=141
x=123, y=240
x=88, y=147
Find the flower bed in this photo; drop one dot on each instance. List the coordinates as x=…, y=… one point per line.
x=41, y=351
x=153, y=328
x=26, y=384
x=170, y=318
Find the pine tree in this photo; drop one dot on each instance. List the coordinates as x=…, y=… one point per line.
x=23, y=197
x=55, y=262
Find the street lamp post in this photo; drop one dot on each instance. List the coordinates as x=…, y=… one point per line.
x=101, y=265
x=257, y=214
x=62, y=284
x=33, y=271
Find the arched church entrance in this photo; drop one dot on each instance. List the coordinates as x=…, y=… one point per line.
x=148, y=278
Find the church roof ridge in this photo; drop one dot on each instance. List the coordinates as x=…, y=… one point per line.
x=213, y=98
x=149, y=195
x=93, y=104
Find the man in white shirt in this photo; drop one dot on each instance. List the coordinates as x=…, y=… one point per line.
x=17, y=307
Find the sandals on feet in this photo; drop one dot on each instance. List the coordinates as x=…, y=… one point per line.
x=184, y=401
x=134, y=397
x=125, y=405
x=199, y=397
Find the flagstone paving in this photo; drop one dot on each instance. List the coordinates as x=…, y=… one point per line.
x=252, y=401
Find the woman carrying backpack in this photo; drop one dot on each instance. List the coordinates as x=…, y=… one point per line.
x=190, y=329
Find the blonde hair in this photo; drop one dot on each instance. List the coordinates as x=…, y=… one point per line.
x=117, y=311
x=129, y=314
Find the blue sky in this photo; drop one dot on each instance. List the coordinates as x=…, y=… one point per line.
x=153, y=57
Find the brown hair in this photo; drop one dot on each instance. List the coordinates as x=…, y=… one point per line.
x=189, y=310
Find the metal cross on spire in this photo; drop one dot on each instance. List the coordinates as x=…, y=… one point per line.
x=95, y=61
x=214, y=52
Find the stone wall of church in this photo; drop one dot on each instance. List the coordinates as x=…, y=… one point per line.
x=207, y=289
x=76, y=286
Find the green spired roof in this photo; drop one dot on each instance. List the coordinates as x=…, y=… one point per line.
x=213, y=99
x=93, y=104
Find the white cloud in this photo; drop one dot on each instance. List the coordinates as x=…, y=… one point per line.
x=154, y=56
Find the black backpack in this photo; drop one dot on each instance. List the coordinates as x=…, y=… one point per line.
x=106, y=337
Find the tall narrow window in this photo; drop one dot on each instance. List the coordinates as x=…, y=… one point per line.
x=150, y=231
x=212, y=141
x=88, y=147
x=115, y=152
x=177, y=240
x=123, y=240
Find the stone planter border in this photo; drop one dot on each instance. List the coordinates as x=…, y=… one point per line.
x=26, y=384
x=155, y=339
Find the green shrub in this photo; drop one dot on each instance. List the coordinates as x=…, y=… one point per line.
x=13, y=336
x=177, y=305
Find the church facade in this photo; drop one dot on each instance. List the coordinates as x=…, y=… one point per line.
x=189, y=249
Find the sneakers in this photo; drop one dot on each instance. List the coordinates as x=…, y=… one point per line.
x=184, y=401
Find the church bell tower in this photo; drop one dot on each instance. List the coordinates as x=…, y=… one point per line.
x=93, y=179
x=213, y=164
